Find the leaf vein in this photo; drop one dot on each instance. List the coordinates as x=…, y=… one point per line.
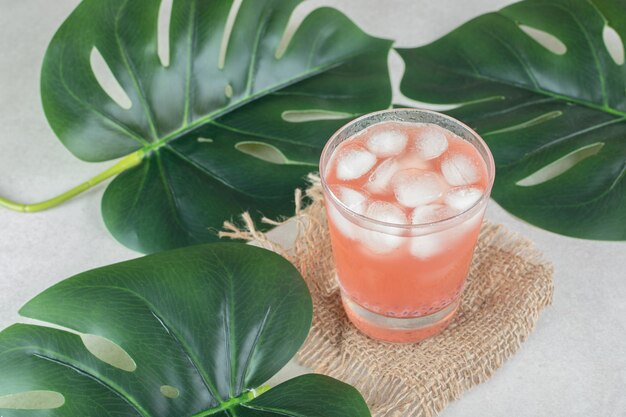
x=257, y=338
x=211, y=174
x=255, y=50
x=132, y=73
x=261, y=135
x=183, y=348
x=210, y=117
x=592, y=49
x=114, y=389
x=169, y=193
x=561, y=139
x=517, y=56
x=186, y=350
x=278, y=411
x=122, y=128
x=192, y=40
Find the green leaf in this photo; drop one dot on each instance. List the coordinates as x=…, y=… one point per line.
x=310, y=396
x=538, y=107
x=189, y=332
x=220, y=89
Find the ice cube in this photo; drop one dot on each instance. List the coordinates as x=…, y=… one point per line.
x=387, y=143
x=473, y=222
x=379, y=241
x=386, y=212
x=345, y=226
x=430, y=143
x=414, y=187
x=380, y=179
x=459, y=169
x=352, y=199
x=462, y=198
x=457, y=200
x=354, y=163
x=432, y=213
x=427, y=246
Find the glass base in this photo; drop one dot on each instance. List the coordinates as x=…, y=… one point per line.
x=398, y=330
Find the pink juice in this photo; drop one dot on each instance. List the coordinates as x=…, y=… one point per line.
x=415, y=176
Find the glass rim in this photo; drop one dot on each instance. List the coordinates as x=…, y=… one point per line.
x=452, y=220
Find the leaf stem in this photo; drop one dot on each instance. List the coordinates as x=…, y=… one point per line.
x=243, y=398
x=125, y=163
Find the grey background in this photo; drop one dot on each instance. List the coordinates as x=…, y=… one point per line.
x=574, y=364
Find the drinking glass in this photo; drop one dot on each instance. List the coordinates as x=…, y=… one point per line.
x=396, y=296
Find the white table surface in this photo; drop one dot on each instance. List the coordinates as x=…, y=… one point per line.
x=574, y=364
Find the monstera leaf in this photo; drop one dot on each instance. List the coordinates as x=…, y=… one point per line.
x=190, y=332
x=234, y=120
x=544, y=83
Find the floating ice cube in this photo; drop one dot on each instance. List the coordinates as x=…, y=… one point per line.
x=430, y=143
x=352, y=199
x=380, y=179
x=414, y=187
x=475, y=221
x=432, y=213
x=345, y=227
x=387, y=142
x=378, y=241
x=427, y=246
x=462, y=198
x=386, y=212
x=459, y=169
x=354, y=163
x=457, y=201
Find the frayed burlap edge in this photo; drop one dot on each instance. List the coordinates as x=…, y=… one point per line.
x=509, y=285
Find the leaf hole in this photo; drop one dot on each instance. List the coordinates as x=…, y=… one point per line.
x=107, y=80
x=163, y=32
x=614, y=44
x=32, y=400
x=545, y=39
x=301, y=116
x=228, y=30
x=228, y=90
x=109, y=352
x=170, y=391
x=262, y=151
x=561, y=165
x=205, y=140
x=400, y=100
x=298, y=15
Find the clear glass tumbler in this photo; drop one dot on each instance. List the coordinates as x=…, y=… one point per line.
x=401, y=282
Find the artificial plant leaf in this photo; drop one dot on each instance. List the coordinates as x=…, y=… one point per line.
x=222, y=90
x=561, y=106
x=196, y=329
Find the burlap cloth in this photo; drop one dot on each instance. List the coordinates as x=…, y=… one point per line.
x=508, y=286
